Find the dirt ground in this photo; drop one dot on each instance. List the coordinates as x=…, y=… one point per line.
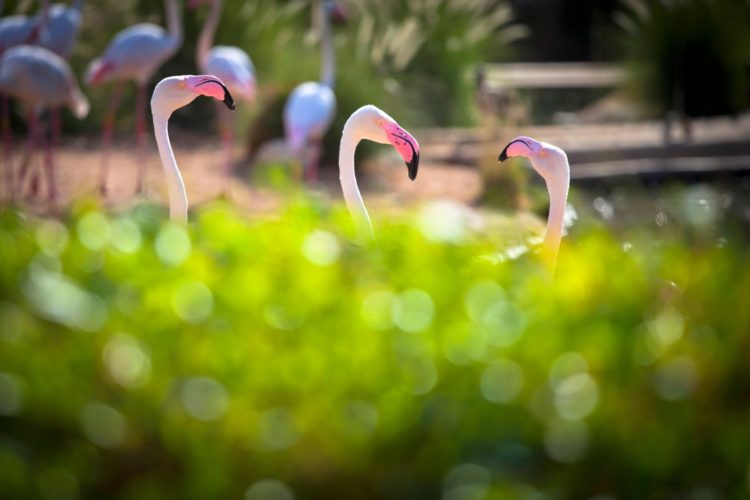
x=384, y=180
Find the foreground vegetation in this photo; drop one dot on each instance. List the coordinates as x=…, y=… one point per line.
x=278, y=359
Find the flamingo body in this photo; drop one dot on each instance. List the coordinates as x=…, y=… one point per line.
x=19, y=29
x=234, y=67
x=134, y=54
x=14, y=30
x=61, y=30
x=41, y=78
x=308, y=113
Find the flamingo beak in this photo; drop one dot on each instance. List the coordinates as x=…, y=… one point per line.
x=228, y=100
x=211, y=86
x=406, y=145
x=512, y=149
x=413, y=167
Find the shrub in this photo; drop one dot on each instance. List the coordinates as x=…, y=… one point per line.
x=689, y=55
x=276, y=359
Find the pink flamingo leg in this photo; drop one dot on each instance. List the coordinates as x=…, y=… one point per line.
x=140, y=135
x=28, y=154
x=7, y=148
x=107, y=129
x=49, y=165
x=313, y=161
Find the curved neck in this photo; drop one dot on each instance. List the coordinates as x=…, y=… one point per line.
x=348, y=180
x=328, y=70
x=558, y=195
x=174, y=22
x=206, y=38
x=178, y=203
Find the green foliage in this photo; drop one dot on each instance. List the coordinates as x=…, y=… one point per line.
x=278, y=359
x=689, y=55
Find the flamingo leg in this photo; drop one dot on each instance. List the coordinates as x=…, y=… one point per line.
x=107, y=129
x=28, y=153
x=7, y=147
x=313, y=161
x=140, y=135
x=49, y=165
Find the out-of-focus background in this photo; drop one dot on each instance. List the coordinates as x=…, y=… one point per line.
x=263, y=352
x=632, y=90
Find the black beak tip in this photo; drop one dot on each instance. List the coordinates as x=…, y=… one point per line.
x=229, y=101
x=413, y=167
x=504, y=154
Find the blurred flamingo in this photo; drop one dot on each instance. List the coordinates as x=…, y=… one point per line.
x=371, y=123
x=134, y=54
x=41, y=80
x=58, y=34
x=16, y=30
x=169, y=95
x=232, y=65
x=19, y=29
x=311, y=107
x=60, y=31
x=551, y=163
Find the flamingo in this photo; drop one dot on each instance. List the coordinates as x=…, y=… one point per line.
x=169, y=95
x=61, y=29
x=551, y=163
x=311, y=107
x=19, y=29
x=371, y=123
x=16, y=30
x=232, y=65
x=134, y=54
x=58, y=34
x=42, y=80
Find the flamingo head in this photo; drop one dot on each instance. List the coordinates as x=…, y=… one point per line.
x=98, y=72
x=177, y=91
x=376, y=125
x=548, y=160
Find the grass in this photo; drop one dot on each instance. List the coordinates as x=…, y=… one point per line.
x=279, y=359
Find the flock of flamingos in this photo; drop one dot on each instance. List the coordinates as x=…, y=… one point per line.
x=34, y=71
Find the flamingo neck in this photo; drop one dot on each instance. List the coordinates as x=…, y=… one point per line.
x=348, y=179
x=178, y=202
x=558, y=195
x=174, y=21
x=328, y=70
x=206, y=39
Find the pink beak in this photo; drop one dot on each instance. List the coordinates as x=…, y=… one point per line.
x=211, y=86
x=406, y=145
x=520, y=146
